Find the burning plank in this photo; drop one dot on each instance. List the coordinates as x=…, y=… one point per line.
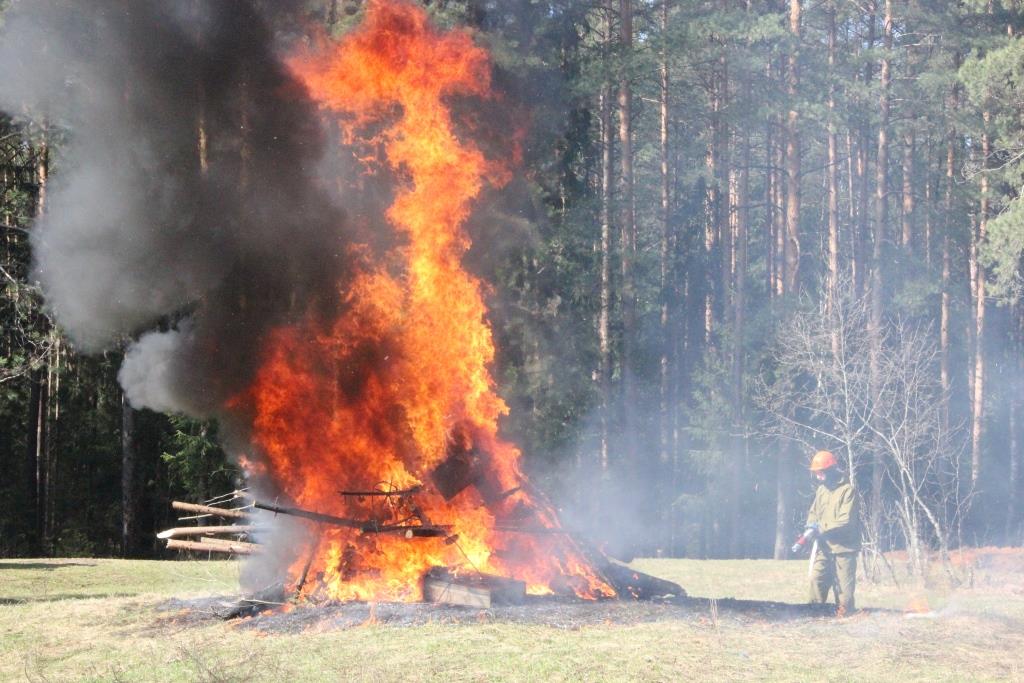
x=471, y=589
x=368, y=526
x=445, y=592
x=629, y=582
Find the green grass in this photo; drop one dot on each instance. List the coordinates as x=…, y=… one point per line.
x=98, y=620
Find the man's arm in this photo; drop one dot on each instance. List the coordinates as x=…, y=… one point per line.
x=814, y=514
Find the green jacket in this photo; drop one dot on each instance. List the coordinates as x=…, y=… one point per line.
x=836, y=513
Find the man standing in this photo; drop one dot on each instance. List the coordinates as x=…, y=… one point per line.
x=834, y=521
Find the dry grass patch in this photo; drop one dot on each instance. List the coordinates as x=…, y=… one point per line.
x=99, y=620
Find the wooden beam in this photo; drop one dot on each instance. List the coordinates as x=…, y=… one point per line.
x=447, y=592
x=224, y=542
x=226, y=513
x=232, y=549
x=441, y=585
x=204, y=530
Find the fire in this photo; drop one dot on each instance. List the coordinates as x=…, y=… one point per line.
x=918, y=604
x=376, y=400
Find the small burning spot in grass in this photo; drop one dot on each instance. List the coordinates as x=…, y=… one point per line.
x=918, y=604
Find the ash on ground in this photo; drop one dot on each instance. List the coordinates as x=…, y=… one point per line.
x=563, y=613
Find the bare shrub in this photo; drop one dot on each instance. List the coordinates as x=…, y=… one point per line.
x=821, y=390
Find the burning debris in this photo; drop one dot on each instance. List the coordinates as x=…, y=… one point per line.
x=456, y=585
x=336, y=336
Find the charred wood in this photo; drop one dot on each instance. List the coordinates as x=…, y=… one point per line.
x=630, y=583
x=309, y=514
x=251, y=605
x=398, y=493
x=365, y=526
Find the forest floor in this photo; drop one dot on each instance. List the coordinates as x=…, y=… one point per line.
x=93, y=619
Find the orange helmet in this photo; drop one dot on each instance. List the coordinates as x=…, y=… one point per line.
x=822, y=460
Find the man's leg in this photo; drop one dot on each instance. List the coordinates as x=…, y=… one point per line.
x=846, y=582
x=822, y=577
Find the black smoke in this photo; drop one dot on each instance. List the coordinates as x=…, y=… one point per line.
x=185, y=215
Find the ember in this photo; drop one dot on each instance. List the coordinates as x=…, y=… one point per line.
x=387, y=416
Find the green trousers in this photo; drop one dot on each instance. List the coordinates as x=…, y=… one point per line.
x=836, y=572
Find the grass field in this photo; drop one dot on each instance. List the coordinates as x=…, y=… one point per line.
x=107, y=620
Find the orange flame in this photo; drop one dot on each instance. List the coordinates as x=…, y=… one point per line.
x=918, y=604
x=381, y=396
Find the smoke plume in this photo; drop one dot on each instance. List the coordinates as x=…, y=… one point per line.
x=185, y=207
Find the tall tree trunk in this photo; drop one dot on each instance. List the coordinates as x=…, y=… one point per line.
x=833, y=183
x=860, y=269
x=739, y=287
x=929, y=201
x=627, y=227
x=945, y=377
x=131, y=484
x=978, y=398
x=33, y=504
x=907, y=225
x=792, y=246
x=791, y=253
x=723, y=208
x=850, y=193
x=52, y=485
x=713, y=233
x=710, y=243
x=604, y=315
x=878, y=259
x=770, y=207
x=739, y=335
x=665, y=279
x=1011, y=535
x=40, y=425
x=770, y=197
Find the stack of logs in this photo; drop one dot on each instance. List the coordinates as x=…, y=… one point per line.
x=442, y=585
x=233, y=537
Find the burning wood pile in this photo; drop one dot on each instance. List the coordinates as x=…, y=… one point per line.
x=459, y=585
x=373, y=422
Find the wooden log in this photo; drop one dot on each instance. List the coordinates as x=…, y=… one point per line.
x=208, y=510
x=232, y=549
x=630, y=583
x=309, y=514
x=442, y=585
x=399, y=493
x=210, y=540
x=203, y=530
x=444, y=591
x=365, y=526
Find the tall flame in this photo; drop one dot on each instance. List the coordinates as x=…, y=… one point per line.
x=388, y=391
